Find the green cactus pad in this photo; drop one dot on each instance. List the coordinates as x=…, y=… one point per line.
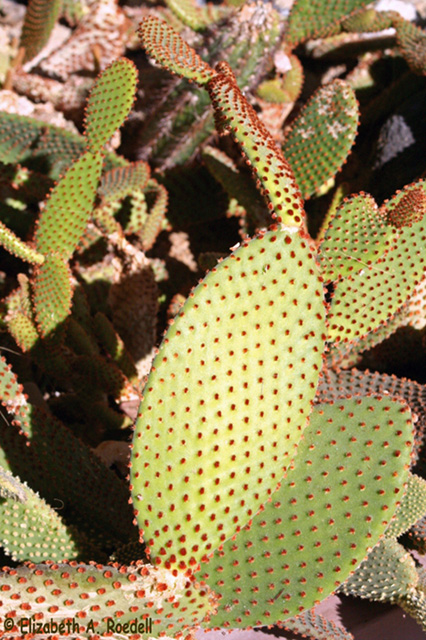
x=52, y=294
x=316, y=19
x=387, y=573
x=235, y=115
x=335, y=503
x=109, y=102
x=411, y=509
x=39, y=21
x=30, y=529
x=167, y=47
x=122, y=181
x=11, y=394
x=66, y=214
x=169, y=601
x=355, y=239
x=322, y=135
x=223, y=410
x=314, y=626
x=375, y=295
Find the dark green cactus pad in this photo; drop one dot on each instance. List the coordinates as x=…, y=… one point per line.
x=109, y=102
x=167, y=47
x=169, y=601
x=314, y=626
x=336, y=501
x=66, y=214
x=222, y=410
x=411, y=509
x=406, y=207
x=316, y=19
x=322, y=135
x=52, y=294
x=387, y=573
x=355, y=239
x=40, y=18
x=233, y=114
x=30, y=529
x=375, y=295
x=122, y=181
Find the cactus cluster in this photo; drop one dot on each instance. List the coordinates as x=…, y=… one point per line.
x=269, y=468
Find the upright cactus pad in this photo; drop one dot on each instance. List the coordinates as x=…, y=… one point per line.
x=110, y=102
x=40, y=19
x=275, y=177
x=67, y=211
x=319, y=525
x=228, y=398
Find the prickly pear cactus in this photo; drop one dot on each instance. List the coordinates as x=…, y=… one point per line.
x=263, y=475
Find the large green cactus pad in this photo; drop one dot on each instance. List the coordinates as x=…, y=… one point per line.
x=167, y=602
x=334, y=504
x=228, y=397
x=110, y=102
x=322, y=135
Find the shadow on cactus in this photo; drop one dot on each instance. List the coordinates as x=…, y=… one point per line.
x=263, y=476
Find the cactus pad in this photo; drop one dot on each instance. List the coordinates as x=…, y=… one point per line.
x=355, y=238
x=66, y=214
x=223, y=409
x=375, y=295
x=386, y=574
x=52, y=294
x=411, y=509
x=316, y=19
x=322, y=135
x=139, y=592
x=110, y=102
x=42, y=534
x=235, y=115
x=167, y=47
x=334, y=504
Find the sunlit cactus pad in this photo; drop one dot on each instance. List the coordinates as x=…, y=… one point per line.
x=316, y=19
x=105, y=115
x=140, y=592
x=228, y=397
x=322, y=135
x=67, y=210
x=321, y=522
x=168, y=48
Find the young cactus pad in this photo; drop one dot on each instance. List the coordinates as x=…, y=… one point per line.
x=335, y=503
x=228, y=397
